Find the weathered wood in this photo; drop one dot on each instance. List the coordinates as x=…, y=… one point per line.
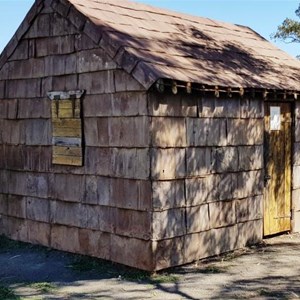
x=15, y=228
x=245, y=131
x=250, y=184
x=38, y=209
x=40, y=27
x=66, y=142
x=164, y=105
x=131, y=163
x=168, y=224
x=33, y=109
x=67, y=151
x=65, y=238
x=296, y=221
x=199, y=161
x=250, y=158
x=57, y=65
x=97, y=82
x=121, y=132
x=3, y=204
x=249, y=233
x=67, y=213
x=170, y=252
x=55, y=45
x=168, y=132
x=31, y=68
x=296, y=200
x=61, y=26
x=132, y=223
x=211, y=107
x=222, y=214
x=16, y=206
x=94, y=243
x=67, y=187
x=67, y=123
x=98, y=191
x=21, y=52
x=130, y=194
x=59, y=131
x=99, y=161
x=38, y=233
x=278, y=146
x=25, y=88
x=252, y=108
x=224, y=239
x=37, y=132
x=125, y=82
x=201, y=190
x=66, y=128
x=67, y=160
x=132, y=252
x=206, y=132
x=97, y=131
x=94, y=60
x=249, y=209
x=60, y=83
x=168, y=194
x=192, y=249
x=37, y=158
x=197, y=218
x=168, y=163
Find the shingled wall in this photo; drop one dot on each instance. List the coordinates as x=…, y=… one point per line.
x=207, y=162
x=91, y=209
x=166, y=179
x=296, y=172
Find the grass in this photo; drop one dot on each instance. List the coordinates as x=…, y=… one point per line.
x=213, y=270
x=7, y=294
x=43, y=287
x=164, y=278
x=88, y=264
x=7, y=244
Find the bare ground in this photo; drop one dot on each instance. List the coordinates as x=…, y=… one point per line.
x=267, y=271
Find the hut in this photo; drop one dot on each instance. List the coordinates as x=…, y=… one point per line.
x=143, y=136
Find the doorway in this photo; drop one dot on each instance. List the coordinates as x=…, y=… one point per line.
x=277, y=160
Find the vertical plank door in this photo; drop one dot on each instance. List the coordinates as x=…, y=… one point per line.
x=277, y=150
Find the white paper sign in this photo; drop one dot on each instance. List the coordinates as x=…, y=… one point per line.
x=275, y=118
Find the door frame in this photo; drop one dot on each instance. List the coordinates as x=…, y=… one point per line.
x=292, y=137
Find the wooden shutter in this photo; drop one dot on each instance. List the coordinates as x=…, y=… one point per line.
x=66, y=128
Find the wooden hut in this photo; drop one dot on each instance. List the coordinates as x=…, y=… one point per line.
x=143, y=136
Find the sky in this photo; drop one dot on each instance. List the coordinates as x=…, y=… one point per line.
x=261, y=15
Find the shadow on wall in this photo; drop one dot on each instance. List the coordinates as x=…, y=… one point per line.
x=230, y=62
x=207, y=170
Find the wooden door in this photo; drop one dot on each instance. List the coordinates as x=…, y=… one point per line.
x=277, y=150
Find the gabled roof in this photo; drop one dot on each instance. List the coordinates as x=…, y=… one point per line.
x=152, y=44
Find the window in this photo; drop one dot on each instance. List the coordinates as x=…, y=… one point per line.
x=67, y=129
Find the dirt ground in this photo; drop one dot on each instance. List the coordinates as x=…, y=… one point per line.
x=267, y=271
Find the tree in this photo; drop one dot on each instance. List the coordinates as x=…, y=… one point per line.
x=289, y=30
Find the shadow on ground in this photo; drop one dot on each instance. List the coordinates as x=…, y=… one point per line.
x=268, y=271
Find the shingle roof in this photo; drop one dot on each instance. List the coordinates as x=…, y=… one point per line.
x=152, y=43
x=166, y=44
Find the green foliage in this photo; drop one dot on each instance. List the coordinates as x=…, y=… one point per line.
x=43, y=287
x=7, y=294
x=86, y=264
x=213, y=270
x=289, y=30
